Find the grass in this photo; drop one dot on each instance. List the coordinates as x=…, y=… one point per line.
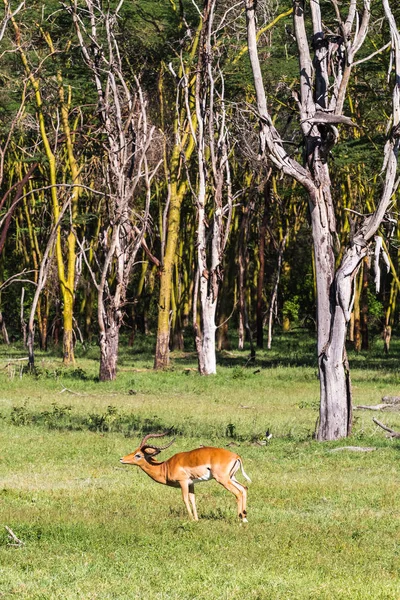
x=322, y=524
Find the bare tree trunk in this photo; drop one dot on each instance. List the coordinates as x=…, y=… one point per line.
x=109, y=344
x=4, y=331
x=43, y=320
x=389, y=315
x=356, y=311
x=126, y=136
x=42, y=277
x=261, y=270
x=22, y=319
x=320, y=105
x=198, y=338
x=212, y=150
x=364, y=309
x=274, y=296
x=243, y=260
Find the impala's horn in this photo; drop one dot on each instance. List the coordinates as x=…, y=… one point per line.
x=158, y=449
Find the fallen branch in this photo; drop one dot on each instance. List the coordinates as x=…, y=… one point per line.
x=71, y=392
x=383, y=406
x=354, y=449
x=17, y=542
x=391, y=399
x=392, y=433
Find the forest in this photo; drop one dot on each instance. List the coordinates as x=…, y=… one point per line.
x=199, y=243
x=204, y=174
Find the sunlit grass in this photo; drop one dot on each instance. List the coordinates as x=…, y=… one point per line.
x=322, y=524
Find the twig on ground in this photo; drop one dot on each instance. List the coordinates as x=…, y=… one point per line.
x=71, y=392
x=11, y=535
x=354, y=449
x=391, y=399
x=392, y=433
x=12, y=360
x=383, y=406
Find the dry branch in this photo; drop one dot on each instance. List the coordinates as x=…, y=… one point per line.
x=383, y=406
x=391, y=432
x=354, y=449
x=11, y=535
x=71, y=392
x=391, y=399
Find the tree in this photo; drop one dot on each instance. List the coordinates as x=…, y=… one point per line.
x=176, y=162
x=52, y=118
x=126, y=136
x=214, y=194
x=326, y=62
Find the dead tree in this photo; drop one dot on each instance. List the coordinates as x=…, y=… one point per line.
x=214, y=193
x=126, y=137
x=325, y=65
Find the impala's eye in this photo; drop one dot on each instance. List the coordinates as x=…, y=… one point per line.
x=138, y=456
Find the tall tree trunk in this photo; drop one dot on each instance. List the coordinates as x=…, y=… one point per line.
x=22, y=318
x=261, y=270
x=161, y=359
x=4, y=331
x=184, y=145
x=356, y=312
x=109, y=344
x=243, y=259
x=364, y=308
x=335, y=391
x=68, y=330
x=274, y=296
x=389, y=315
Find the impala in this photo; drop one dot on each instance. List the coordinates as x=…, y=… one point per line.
x=187, y=468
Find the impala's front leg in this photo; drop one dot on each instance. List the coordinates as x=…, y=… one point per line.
x=185, y=495
x=192, y=499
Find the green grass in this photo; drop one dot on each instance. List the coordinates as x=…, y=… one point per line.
x=322, y=524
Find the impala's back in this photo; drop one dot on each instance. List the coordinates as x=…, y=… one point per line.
x=201, y=464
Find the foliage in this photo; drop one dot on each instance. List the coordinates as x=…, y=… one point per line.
x=291, y=308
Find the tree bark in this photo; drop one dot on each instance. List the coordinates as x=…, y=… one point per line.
x=109, y=344
x=261, y=271
x=244, y=331
x=356, y=311
x=4, y=331
x=364, y=309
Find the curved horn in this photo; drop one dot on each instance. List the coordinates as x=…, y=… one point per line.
x=157, y=448
x=155, y=435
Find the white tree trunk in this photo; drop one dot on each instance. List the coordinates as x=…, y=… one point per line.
x=209, y=330
x=334, y=288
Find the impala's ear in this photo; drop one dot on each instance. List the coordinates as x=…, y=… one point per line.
x=149, y=451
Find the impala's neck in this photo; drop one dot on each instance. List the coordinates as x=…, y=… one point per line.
x=154, y=469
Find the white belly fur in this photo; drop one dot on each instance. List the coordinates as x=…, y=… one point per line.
x=206, y=477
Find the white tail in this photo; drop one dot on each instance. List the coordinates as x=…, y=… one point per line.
x=243, y=471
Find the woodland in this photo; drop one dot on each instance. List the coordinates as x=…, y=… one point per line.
x=204, y=174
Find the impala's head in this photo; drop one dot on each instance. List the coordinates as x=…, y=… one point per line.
x=145, y=450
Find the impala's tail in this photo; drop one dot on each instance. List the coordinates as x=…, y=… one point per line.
x=243, y=472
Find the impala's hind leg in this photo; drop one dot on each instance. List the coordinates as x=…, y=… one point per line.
x=243, y=489
x=237, y=490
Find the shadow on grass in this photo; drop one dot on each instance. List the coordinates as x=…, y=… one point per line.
x=296, y=348
x=62, y=418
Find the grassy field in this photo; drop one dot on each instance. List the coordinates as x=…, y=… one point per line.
x=323, y=524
